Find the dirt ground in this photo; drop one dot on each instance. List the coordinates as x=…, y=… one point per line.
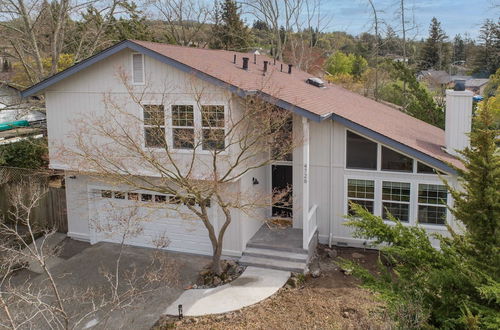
x=331, y=301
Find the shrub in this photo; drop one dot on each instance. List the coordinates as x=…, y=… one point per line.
x=29, y=153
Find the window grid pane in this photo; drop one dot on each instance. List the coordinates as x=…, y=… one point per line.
x=154, y=136
x=183, y=138
x=361, y=188
x=213, y=139
x=396, y=191
x=432, y=194
x=368, y=205
x=397, y=210
x=154, y=115
x=212, y=116
x=432, y=214
x=182, y=115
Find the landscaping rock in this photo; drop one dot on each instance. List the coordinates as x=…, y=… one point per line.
x=293, y=282
x=332, y=253
x=216, y=281
x=316, y=272
x=205, y=272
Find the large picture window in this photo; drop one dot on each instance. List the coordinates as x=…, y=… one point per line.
x=212, y=121
x=183, y=126
x=361, y=153
x=361, y=192
x=396, y=200
x=154, y=125
x=394, y=161
x=432, y=201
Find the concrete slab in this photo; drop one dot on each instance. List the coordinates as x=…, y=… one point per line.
x=49, y=246
x=253, y=286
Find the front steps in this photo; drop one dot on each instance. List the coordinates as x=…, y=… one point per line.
x=282, y=258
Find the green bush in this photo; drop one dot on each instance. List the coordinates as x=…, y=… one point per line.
x=29, y=153
x=457, y=286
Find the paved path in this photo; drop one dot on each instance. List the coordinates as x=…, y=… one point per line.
x=254, y=285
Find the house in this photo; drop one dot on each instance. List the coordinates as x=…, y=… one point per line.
x=476, y=85
x=354, y=149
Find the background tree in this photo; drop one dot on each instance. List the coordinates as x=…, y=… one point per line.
x=458, y=49
x=488, y=56
x=229, y=31
x=434, y=51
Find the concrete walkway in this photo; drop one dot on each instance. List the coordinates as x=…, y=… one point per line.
x=253, y=286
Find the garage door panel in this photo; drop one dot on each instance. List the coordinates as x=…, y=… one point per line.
x=152, y=224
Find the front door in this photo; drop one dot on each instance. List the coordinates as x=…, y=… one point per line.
x=282, y=190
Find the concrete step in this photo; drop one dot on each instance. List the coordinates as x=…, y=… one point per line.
x=259, y=245
x=275, y=254
x=292, y=266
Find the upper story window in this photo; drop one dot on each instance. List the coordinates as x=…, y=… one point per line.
x=361, y=153
x=213, y=132
x=394, y=161
x=361, y=192
x=183, y=126
x=432, y=201
x=154, y=125
x=138, y=69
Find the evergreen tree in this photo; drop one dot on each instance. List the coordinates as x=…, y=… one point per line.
x=458, y=49
x=488, y=57
x=229, y=30
x=433, y=53
x=457, y=286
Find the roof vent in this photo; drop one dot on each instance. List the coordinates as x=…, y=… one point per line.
x=315, y=82
x=245, y=63
x=290, y=69
x=265, y=66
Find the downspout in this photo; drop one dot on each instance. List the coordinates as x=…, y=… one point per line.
x=330, y=235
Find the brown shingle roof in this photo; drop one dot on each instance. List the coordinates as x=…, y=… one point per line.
x=292, y=88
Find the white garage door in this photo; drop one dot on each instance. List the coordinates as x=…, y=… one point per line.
x=145, y=219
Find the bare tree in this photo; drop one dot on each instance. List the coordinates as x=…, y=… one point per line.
x=42, y=302
x=185, y=20
x=234, y=140
x=38, y=32
x=376, y=25
x=278, y=15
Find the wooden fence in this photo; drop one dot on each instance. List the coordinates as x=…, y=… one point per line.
x=50, y=211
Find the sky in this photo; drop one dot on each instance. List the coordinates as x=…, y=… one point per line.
x=456, y=16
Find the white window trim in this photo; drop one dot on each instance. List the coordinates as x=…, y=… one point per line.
x=143, y=69
x=413, y=181
x=382, y=200
x=145, y=125
x=448, y=195
x=213, y=128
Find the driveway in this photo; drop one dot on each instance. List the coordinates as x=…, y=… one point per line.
x=152, y=279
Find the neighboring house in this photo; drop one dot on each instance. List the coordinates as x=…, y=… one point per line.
x=354, y=149
x=476, y=85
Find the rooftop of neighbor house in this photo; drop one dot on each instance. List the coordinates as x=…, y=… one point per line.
x=291, y=91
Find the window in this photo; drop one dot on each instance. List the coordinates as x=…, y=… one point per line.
x=146, y=197
x=361, y=153
x=154, y=126
x=394, y=161
x=424, y=169
x=396, y=200
x=133, y=196
x=106, y=193
x=160, y=199
x=432, y=201
x=183, y=126
x=361, y=192
x=138, y=68
x=119, y=195
x=213, y=127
